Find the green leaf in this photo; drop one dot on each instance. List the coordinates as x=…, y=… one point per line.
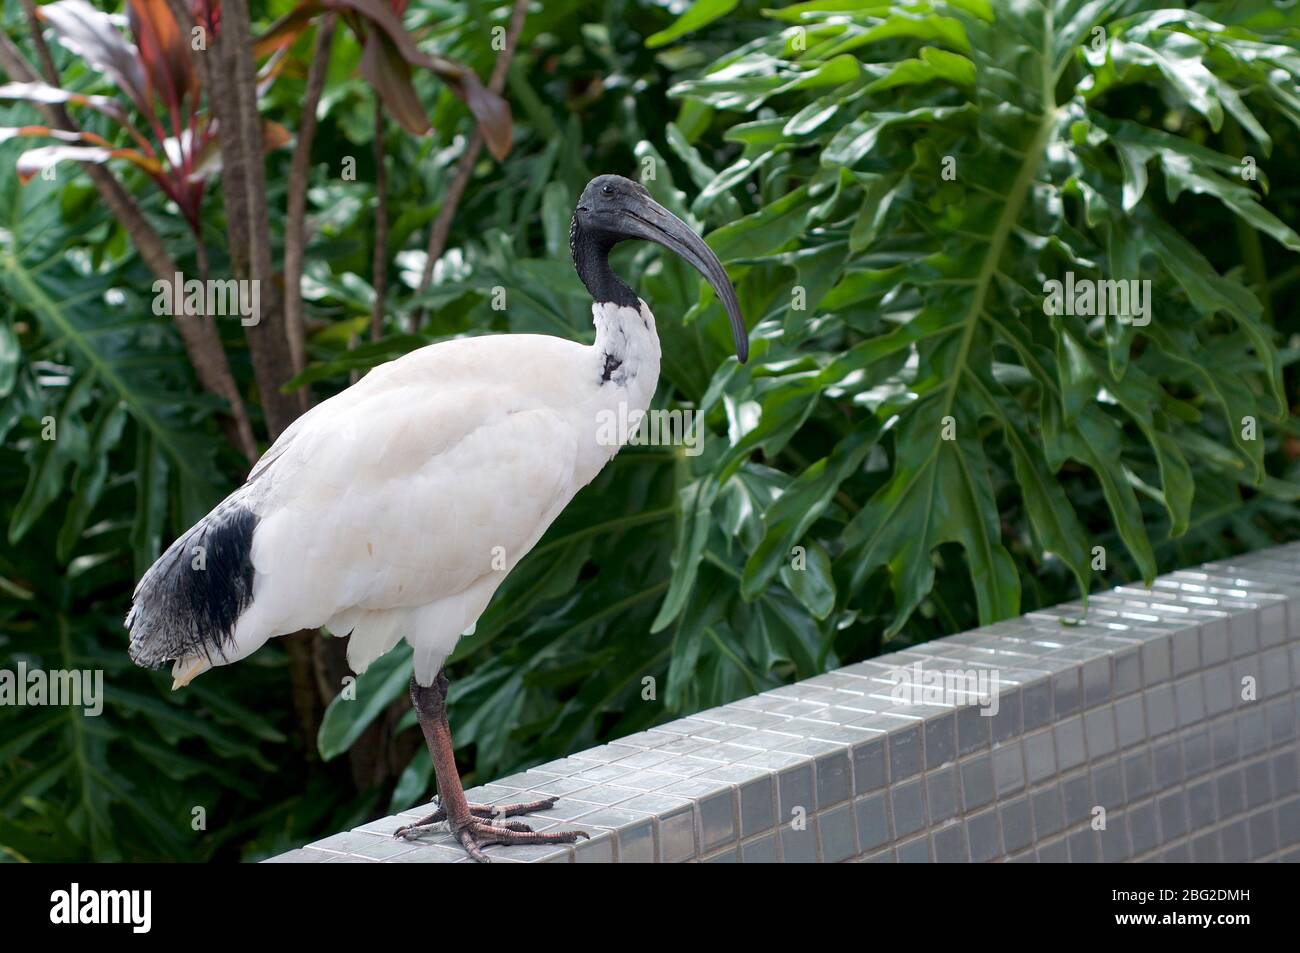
x=939, y=493
x=9, y=360
x=693, y=520
x=933, y=64
x=700, y=14
x=800, y=505
x=91, y=477
x=1095, y=441
x=809, y=577
x=62, y=440
x=1055, y=524
x=374, y=690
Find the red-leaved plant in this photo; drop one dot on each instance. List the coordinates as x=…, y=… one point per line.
x=154, y=70
x=157, y=76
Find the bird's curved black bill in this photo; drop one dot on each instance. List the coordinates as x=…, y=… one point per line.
x=650, y=221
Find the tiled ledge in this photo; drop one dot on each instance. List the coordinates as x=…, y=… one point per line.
x=1140, y=715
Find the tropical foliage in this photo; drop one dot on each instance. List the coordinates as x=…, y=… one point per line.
x=921, y=442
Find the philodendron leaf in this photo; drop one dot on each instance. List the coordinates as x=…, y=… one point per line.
x=939, y=493
x=799, y=507
x=987, y=163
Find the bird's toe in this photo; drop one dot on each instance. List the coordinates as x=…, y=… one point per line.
x=512, y=810
x=477, y=833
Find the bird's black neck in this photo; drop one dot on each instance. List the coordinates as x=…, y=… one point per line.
x=590, y=249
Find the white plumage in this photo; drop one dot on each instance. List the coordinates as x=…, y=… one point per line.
x=394, y=509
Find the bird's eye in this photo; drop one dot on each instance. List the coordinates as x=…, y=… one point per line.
x=607, y=189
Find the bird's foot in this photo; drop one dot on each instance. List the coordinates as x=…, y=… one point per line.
x=478, y=833
x=494, y=811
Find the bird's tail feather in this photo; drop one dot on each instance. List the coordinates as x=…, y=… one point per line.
x=186, y=606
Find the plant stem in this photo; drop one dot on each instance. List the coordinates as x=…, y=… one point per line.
x=38, y=40
x=296, y=214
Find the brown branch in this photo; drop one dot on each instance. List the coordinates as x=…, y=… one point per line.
x=455, y=191
x=200, y=338
x=13, y=61
x=379, y=266
x=295, y=218
x=239, y=34
x=225, y=107
x=248, y=223
x=38, y=40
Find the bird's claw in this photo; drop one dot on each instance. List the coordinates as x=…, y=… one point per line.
x=477, y=834
x=494, y=811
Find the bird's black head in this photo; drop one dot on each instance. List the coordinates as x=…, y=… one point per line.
x=614, y=209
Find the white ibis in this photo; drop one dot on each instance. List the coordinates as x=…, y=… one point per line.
x=395, y=508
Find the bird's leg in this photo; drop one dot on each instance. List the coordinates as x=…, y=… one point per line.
x=475, y=825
